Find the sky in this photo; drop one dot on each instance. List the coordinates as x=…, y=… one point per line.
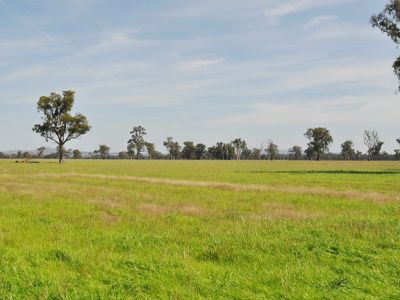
x=204, y=71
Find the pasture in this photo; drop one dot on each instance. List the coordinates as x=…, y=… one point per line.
x=199, y=229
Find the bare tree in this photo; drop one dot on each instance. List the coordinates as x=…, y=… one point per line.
x=371, y=140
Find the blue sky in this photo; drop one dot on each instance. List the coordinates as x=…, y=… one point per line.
x=205, y=71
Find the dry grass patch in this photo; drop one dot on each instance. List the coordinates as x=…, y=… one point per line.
x=183, y=209
x=277, y=211
x=109, y=217
x=349, y=194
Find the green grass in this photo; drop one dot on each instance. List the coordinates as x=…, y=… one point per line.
x=191, y=230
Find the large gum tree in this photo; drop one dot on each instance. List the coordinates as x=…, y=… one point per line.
x=58, y=124
x=388, y=21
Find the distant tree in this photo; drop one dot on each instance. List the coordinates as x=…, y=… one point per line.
x=123, y=155
x=222, y=150
x=262, y=147
x=26, y=155
x=371, y=140
x=256, y=153
x=320, y=139
x=272, y=150
x=40, y=151
x=376, y=150
x=239, y=145
x=388, y=21
x=188, y=150
x=295, y=152
x=211, y=152
x=358, y=155
x=103, y=150
x=68, y=153
x=136, y=143
x=76, y=154
x=151, y=150
x=397, y=151
x=58, y=125
x=246, y=153
x=19, y=154
x=173, y=148
x=199, y=151
x=230, y=151
x=347, y=150
x=384, y=155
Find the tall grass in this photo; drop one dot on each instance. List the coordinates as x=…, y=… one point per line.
x=65, y=234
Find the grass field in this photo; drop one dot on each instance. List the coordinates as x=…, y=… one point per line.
x=201, y=229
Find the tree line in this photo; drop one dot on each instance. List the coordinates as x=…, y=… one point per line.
x=60, y=126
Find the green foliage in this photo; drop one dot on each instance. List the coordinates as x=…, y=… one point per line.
x=136, y=143
x=58, y=125
x=173, y=147
x=240, y=146
x=76, y=154
x=151, y=150
x=40, y=151
x=320, y=139
x=200, y=151
x=104, y=151
x=188, y=150
x=347, y=150
x=296, y=152
x=223, y=151
x=388, y=21
x=272, y=150
x=397, y=151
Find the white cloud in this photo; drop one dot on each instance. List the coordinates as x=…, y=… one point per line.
x=112, y=41
x=276, y=11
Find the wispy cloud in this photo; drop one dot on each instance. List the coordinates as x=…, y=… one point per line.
x=288, y=7
x=318, y=21
x=22, y=19
x=200, y=64
x=347, y=110
x=113, y=41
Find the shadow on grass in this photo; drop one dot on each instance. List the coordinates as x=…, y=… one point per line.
x=352, y=172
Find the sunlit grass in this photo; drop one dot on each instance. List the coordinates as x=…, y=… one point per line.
x=244, y=230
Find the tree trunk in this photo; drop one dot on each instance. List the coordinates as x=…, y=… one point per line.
x=318, y=156
x=60, y=154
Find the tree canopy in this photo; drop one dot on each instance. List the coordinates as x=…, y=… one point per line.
x=58, y=125
x=136, y=143
x=388, y=21
x=320, y=139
